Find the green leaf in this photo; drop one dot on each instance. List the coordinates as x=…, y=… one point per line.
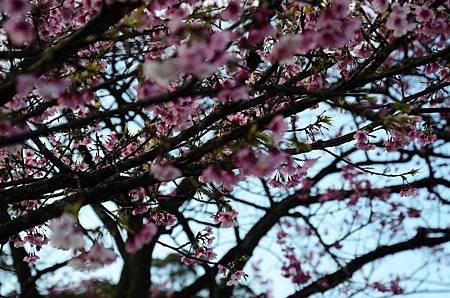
x=301, y=147
x=400, y=106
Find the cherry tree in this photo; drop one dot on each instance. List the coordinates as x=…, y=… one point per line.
x=224, y=148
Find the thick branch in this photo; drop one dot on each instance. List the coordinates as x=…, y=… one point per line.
x=423, y=238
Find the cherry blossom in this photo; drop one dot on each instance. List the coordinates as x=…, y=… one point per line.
x=398, y=20
x=426, y=138
x=19, y=30
x=233, y=94
x=16, y=8
x=162, y=218
x=233, y=11
x=220, y=177
x=408, y=191
x=65, y=235
x=165, y=172
x=286, y=47
x=201, y=250
x=144, y=236
x=49, y=88
x=95, y=258
x=278, y=127
x=423, y=14
x=323, y=126
x=362, y=140
x=380, y=5
x=24, y=84
x=31, y=258
x=161, y=72
x=259, y=164
x=227, y=219
x=223, y=270
x=235, y=278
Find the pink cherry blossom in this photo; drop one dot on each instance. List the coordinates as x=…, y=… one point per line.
x=72, y=100
x=316, y=83
x=223, y=270
x=331, y=194
x=362, y=140
x=398, y=20
x=148, y=90
x=336, y=35
x=19, y=30
x=341, y=8
x=307, y=42
x=51, y=88
x=119, y=105
x=16, y=8
x=161, y=72
x=218, y=41
x=24, y=84
x=162, y=218
x=414, y=213
x=233, y=94
x=37, y=240
x=426, y=138
x=423, y=14
x=286, y=47
x=408, y=191
x=278, y=127
x=165, y=172
x=233, y=11
x=188, y=261
x=380, y=5
x=143, y=237
x=206, y=254
x=293, y=269
x=224, y=178
x=98, y=256
x=227, y=219
x=140, y=210
x=30, y=258
x=395, y=288
x=256, y=35
x=259, y=164
x=235, y=277
x=202, y=250
x=65, y=235
x=196, y=59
